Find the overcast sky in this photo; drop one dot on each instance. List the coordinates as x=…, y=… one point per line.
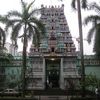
x=71, y=16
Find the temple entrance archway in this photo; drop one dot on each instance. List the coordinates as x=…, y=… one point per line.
x=52, y=73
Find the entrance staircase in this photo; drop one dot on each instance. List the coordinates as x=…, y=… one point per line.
x=54, y=98
x=54, y=91
x=59, y=92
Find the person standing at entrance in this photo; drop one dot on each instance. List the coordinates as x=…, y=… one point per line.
x=47, y=82
x=50, y=85
x=97, y=93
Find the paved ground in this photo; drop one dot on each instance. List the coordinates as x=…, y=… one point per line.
x=53, y=98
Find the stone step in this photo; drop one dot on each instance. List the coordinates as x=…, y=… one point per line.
x=53, y=98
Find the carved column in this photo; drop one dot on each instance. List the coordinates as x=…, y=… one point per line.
x=61, y=75
x=44, y=72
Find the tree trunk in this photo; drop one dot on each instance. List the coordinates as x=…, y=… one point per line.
x=81, y=47
x=24, y=62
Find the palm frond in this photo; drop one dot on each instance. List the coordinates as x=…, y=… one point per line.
x=39, y=24
x=73, y=4
x=10, y=23
x=91, y=18
x=30, y=5
x=21, y=36
x=90, y=34
x=30, y=31
x=14, y=42
x=15, y=31
x=35, y=11
x=97, y=40
x=23, y=4
x=95, y=6
x=24, y=9
x=14, y=14
x=36, y=37
x=2, y=36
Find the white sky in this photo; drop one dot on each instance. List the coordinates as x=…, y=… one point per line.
x=71, y=16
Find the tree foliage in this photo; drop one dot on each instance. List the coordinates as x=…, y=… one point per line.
x=91, y=81
x=95, y=29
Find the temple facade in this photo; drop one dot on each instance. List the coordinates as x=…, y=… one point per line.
x=53, y=64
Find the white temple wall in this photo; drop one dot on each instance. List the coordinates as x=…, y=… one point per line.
x=37, y=76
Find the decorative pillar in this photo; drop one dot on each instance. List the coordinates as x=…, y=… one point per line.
x=44, y=74
x=61, y=75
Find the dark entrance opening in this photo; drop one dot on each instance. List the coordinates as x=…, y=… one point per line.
x=52, y=73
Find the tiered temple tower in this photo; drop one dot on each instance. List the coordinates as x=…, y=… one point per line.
x=53, y=64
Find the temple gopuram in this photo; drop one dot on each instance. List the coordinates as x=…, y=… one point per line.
x=53, y=64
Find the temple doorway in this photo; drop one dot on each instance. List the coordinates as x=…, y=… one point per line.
x=52, y=73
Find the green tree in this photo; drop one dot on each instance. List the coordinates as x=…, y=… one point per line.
x=95, y=29
x=31, y=26
x=84, y=5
